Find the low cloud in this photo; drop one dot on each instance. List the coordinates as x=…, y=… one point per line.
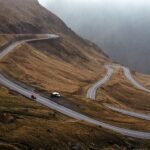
x=119, y=27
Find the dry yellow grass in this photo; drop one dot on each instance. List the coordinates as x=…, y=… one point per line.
x=123, y=93
x=5, y=39
x=47, y=72
x=143, y=79
x=68, y=65
x=50, y=73
x=37, y=127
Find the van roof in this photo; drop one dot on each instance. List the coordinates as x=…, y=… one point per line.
x=55, y=93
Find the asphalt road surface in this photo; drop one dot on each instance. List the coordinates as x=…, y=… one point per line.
x=129, y=113
x=14, y=45
x=133, y=81
x=91, y=93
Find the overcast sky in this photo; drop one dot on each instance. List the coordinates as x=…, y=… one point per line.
x=97, y=1
x=119, y=27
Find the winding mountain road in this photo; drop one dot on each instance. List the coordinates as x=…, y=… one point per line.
x=129, y=113
x=68, y=112
x=14, y=45
x=91, y=93
x=128, y=75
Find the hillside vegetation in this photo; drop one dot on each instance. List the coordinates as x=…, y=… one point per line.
x=125, y=94
x=143, y=79
x=26, y=125
x=69, y=65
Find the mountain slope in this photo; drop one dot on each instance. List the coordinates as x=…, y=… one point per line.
x=27, y=17
x=33, y=18
x=71, y=59
x=69, y=65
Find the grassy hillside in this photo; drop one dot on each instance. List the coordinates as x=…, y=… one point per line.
x=26, y=125
x=27, y=17
x=125, y=94
x=32, y=126
x=143, y=79
x=69, y=65
x=47, y=71
x=3, y=40
x=50, y=70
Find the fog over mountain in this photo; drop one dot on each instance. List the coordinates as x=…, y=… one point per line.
x=120, y=27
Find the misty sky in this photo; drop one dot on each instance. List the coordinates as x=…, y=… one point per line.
x=120, y=27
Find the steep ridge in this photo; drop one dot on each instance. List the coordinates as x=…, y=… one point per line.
x=69, y=60
x=31, y=17
x=28, y=17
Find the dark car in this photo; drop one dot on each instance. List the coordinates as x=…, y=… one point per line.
x=33, y=97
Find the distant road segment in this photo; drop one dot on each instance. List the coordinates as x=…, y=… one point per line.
x=133, y=81
x=93, y=89
x=91, y=93
x=129, y=113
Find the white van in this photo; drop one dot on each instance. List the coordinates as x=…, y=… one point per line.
x=55, y=94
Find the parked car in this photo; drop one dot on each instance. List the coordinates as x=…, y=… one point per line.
x=33, y=97
x=55, y=94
